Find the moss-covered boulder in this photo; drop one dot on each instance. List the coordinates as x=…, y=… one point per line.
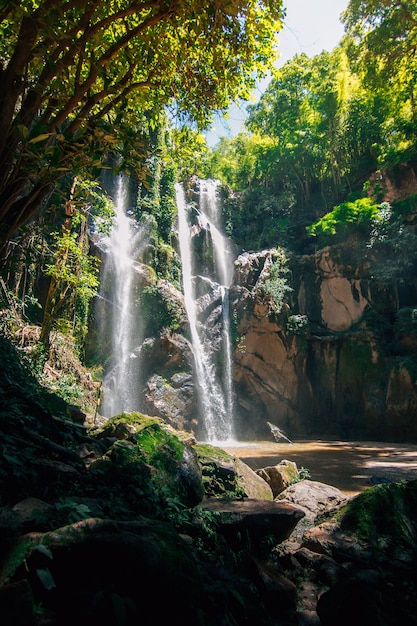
x=145, y=449
x=226, y=475
x=384, y=518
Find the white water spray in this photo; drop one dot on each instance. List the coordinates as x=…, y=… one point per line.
x=215, y=392
x=121, y=382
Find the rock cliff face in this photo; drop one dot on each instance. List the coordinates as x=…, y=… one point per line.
x=341, y=362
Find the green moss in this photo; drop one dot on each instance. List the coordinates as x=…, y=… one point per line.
x=136, y=418
x=139, y=421
x=383, y=517
x=160, y=311
x=212, y=452
x=157, y=445
x=14, y=554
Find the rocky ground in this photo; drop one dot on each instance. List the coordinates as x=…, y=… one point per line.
x=131, y=522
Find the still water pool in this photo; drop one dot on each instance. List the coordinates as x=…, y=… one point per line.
x=351, y=466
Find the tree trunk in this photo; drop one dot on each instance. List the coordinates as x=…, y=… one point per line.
x=55, y=299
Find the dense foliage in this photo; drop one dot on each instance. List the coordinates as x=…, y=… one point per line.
x=81, y=80
x=322, y=128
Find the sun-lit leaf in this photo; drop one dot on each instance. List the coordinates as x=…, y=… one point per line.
x=39, y=138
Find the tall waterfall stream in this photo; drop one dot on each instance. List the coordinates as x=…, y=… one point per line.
x=122, y=377
x=207, y=273
x=214, y=382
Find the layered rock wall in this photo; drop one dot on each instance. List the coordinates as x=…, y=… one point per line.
x=346, y=374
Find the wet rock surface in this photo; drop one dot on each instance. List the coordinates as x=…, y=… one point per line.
x=335, y=363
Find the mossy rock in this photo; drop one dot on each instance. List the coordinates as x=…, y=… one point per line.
x=86, y=573
x=226, y=475
x=123, y=425
x=384, y=518
x=146, y=448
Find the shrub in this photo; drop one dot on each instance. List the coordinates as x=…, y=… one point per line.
x=358, y=215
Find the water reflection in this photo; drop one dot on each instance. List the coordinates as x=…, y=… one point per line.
x=351, y=466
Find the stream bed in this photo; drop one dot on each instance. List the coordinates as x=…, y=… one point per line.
x=351, y=466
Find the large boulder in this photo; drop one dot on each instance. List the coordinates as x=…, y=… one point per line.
x=257, y=523
x=316, y=500
x=109, y=572
x=172, y=399
x=146, y=451
x=226, y=475
x=279, y=476
x=360, y=563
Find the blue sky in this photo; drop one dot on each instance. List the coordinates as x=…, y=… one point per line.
x=310, y=26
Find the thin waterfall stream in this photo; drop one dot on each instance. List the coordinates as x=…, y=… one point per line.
x=121, y=381
x=201, y=288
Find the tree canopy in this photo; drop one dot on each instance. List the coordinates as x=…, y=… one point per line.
x=80, y=79
x=325, y=125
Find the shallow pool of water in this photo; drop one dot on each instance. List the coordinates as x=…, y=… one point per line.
x=351, y=466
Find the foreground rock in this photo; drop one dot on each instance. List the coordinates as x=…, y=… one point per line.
x=123, y=524
x=96, y=571
x=257, y=523
x=316, y=500
x=359, y=565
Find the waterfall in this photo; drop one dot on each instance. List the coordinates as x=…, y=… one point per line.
x=122, y=323
x=203, y=287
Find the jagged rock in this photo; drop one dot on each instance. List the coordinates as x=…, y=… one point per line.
x=172, y=400
x=365, y=598
x=224, y=473
x=277, y=591
x=280, y=476
x=28, y=514
x=168, y=353
x=329, y=572
x=307, y=595
x=251, y=267
x=315, y=499
x=254, y=521
x=328, y=539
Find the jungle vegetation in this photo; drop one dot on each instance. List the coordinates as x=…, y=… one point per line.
x=324, y=130
x=85, y=87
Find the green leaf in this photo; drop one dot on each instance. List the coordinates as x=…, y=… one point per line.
x=44, y=550
x=23, y=130
x=46, y=578
x=39, y=138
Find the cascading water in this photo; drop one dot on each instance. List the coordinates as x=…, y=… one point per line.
x=121, y=381
x=202, y=289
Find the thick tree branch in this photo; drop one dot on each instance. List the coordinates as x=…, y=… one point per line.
x=105, y=59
